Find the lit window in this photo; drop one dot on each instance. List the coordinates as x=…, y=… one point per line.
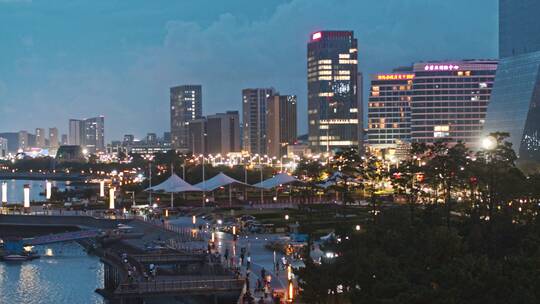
x=325, y=77
x=344, y=56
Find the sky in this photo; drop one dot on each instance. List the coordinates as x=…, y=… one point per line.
x=62, y=59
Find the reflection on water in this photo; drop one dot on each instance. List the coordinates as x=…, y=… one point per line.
x=15, y=189
x=66, y=276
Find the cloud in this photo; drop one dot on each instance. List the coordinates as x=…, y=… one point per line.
x=233, y=52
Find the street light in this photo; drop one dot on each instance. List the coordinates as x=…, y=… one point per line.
x=489, y=142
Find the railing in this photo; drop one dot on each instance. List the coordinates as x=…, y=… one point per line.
x=156, y=258
x=180, y=286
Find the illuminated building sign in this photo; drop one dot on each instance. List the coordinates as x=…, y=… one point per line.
x=441, y=67
x=316, y=36
x=395, y=76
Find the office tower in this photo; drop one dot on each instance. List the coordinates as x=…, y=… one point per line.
x=254, y=119
x=281, y=124
x=76, y=130
x=40, y=138
x=167, y=137
x=515, y=102
x=389, y=109
x=223, y=133
x=333, y=100
x=23, y=140
x=94, y=134
x=151, y=139
x=12, y=141
x=3, y=147
x=186, y=105
x=64, y=140
x=53, y=138
x=197, y=136
x=128, y=139
x=450, y=100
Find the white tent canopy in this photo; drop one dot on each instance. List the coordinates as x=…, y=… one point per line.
x=217, y=181
x=276, y=181
x=174, y=184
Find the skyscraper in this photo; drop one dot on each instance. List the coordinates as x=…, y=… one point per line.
x=197, y=136
x=281, y=124
x=40, y=138
x=334, y=104
x=223, y=133
x=450, y=100
x=94, y=134
x=515, y=102
x=186, y=105
x=389, y=109
x=254, y=119
x=76, y=130
x=23, y=140
x=53, y=138
x=64, y=140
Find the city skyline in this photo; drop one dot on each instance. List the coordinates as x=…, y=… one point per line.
x=109, y=79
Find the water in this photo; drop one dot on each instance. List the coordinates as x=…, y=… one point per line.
x=68, y=276
x=16, y=194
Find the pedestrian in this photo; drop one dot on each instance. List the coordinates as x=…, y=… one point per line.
x=242, y=259
x=248, y=261
x=226, y=255
x=259, y=285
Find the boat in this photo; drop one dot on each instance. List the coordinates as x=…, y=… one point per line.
x=19, y=257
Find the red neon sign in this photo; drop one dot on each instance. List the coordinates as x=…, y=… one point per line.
x=317, y=35
x=395, y=77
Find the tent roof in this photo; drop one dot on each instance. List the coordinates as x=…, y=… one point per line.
x=277, y=180
x=217, y=181
x=174, y=184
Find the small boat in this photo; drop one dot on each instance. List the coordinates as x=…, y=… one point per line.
x=19, y=257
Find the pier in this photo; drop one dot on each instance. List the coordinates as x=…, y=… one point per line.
x=147, y=260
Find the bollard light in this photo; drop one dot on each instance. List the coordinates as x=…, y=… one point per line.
x=111, y=198
x=213, y=237
x=101, y=188
x=166, y=212
x=357, y=228
x=194, y=220
x=4, y=193
x=291, y=292
x=286, y=217
x=48, y=189
x=234, y=230
x=26, y=196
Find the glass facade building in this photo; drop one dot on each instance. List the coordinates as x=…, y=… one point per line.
x=516, y=94
x=519, y=27
x=334, y=105
x=515, y=106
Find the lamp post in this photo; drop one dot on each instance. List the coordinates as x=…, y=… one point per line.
x=4, y=193
x=489, y=143
x=203, y=182
x=262, y=189
x=48, y=189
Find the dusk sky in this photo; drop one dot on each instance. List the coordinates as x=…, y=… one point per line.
x=62, y=59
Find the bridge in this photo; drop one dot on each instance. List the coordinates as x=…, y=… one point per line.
x=62, y=237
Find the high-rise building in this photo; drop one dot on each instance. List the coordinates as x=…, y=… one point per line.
x=94, y=134
x=254, y=119
x=334, y=104
x=197, y=136
x=151, y=139
x=518, y=27
x=280, y=124
x=76, y=132
x=450, y=100
x=515, y=102
x=24, y=142
x=64, y=140
x=186, y=105
x=223, y=133
x=53, y=138
x=12, y=141
x=3, y=147
x=389, y=109
x=40, y=138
